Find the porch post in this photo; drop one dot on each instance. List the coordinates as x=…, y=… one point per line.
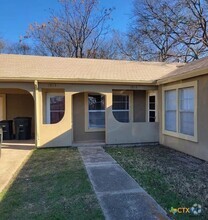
x=37, y=114
x=108, y=114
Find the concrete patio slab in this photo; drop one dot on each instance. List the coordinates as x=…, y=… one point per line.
x=12, y=157
x=119, y=195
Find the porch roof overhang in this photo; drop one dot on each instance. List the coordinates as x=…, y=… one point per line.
x=78, y=81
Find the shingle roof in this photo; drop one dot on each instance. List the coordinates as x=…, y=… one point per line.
x=73, y=69
x=196, y=68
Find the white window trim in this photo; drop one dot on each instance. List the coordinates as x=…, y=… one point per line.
x=87, y=128
x=131, y=107
x=152, y=93
x=48, y=110
x=177, y=134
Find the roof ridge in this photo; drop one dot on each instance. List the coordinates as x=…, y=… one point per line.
x=94, y=59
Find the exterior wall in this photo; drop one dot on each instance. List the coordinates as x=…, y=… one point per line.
x=20, y=105
x=61, y=134
x=200, y=148
x=128, y=133
x=80, y=135
x=139, y=104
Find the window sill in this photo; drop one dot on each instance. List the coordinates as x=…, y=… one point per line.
x=94, y=129
x=181, y=136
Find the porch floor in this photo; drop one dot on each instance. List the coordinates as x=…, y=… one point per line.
x=88, y=144
x=9, y=143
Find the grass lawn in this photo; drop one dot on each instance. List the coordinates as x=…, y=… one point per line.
x=53, y=184
x=172, y=178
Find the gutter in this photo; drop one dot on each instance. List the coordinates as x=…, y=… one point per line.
x=80, y=81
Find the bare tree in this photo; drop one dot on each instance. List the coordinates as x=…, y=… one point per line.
x=19, y=48
x=2, y=45
x=75, y=31
x=151, y=37
x=194, y=33
x=170, y=30
x=107, y=49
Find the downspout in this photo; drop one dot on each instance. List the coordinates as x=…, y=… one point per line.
x=37, y=114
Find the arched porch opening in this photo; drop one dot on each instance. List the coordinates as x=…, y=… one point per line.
x=17, y=112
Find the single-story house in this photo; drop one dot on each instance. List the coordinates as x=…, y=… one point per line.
x=76, y=101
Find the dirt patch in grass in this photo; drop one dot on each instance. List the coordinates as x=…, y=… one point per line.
x=53, y=184
x=173, y=178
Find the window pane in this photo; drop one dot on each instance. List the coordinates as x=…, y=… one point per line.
x=170, y=120
x=96, y=102
x=152, y=106
x=57, y=103
x=121, y=116
x=152, y=116
x=120, y=102
x=170, y=110
x=187, y=123
x=170, y=100
x=96, y=107
x=55, y=107
x=152, y=99
x=121, y=107
x=120, y=98
x=56, y=117
x=96, y=119
x=186, y=100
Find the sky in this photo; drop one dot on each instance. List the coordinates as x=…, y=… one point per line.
x=16, y=15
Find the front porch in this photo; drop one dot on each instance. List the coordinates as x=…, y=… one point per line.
x=73, y=115
x=16, y=116
x=130, y=118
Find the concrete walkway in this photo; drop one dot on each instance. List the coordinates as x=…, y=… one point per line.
x=13, y=155
x=120, y=196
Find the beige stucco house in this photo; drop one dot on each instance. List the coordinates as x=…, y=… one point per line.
x=77, y=101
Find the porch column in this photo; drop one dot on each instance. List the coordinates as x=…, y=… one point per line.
x=69, y=114
x=108, y=113
x=37, y=114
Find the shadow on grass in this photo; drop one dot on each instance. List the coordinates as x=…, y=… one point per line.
x=52, y=184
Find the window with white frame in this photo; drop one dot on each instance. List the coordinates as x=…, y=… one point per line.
x=55, y=107
x=170, y=110
x=152, y=113
x=180, y=111
x=121, y=107
x=186, y=111
x=96, y=111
